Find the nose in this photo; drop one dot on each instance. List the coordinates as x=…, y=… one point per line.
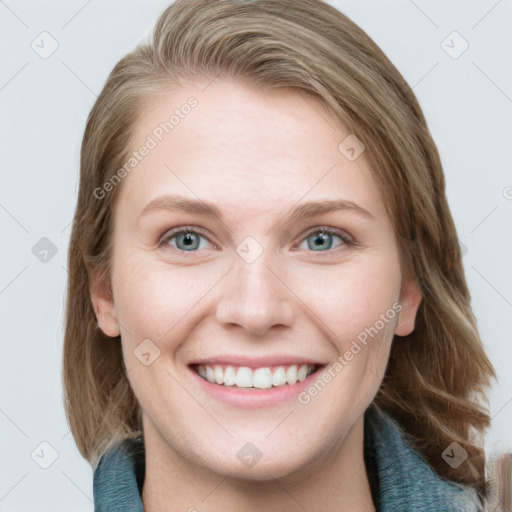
x=255, y=297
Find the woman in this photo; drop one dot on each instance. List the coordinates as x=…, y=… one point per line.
x=267, y=306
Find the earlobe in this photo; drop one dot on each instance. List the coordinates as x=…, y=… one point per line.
x=410, y=299
x=103, y=303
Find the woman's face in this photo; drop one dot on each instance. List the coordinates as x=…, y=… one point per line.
x=251, y=292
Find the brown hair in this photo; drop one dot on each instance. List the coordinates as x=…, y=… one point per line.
x=437, y=375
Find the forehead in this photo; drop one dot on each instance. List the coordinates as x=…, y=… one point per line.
x=234, y=144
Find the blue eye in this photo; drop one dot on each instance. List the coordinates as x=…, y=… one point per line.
x=323, y=239
x=186, y=240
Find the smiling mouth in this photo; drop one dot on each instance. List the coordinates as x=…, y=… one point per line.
x=265, y=377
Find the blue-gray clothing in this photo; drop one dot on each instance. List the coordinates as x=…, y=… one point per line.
x=400, y=480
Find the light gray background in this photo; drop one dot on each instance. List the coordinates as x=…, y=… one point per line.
x=44, y=104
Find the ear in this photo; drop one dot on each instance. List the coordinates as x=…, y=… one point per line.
x=410, y=299
x=103, y=303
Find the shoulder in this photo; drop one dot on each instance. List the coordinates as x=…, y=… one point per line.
x=405, y=480
x=118, y=478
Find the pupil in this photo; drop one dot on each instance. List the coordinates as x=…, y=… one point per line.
x=321, y=240
x=188, y=240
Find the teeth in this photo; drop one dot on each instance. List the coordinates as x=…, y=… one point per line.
x=218, y=375
x=279, y=377
x=261, y=378
x=302, y=372
x=243, y=377
x=291, y=374
x=229, y=376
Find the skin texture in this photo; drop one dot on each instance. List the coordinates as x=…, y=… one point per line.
x=255, y=155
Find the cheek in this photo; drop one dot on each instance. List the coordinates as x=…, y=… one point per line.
x=350, y=299
x=155, y=298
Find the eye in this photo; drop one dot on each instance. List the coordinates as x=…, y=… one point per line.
x=185, y=239
x=322, y=239
x=188, y=239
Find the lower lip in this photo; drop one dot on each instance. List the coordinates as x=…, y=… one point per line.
x=253, y=398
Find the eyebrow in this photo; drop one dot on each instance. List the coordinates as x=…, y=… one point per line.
x=303, y=210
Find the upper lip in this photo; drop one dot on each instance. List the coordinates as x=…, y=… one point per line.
x=256, y=361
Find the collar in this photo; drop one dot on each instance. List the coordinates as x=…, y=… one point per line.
x=400, y=479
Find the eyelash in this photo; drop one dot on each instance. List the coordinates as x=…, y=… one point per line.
x=346, y=239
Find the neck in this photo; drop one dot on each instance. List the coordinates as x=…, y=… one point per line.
x=337, y=480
